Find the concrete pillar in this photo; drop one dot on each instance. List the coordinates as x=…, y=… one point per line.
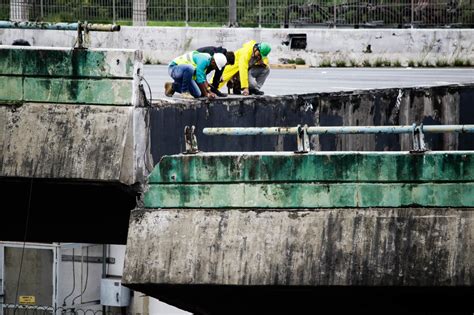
x=233, y=13
x=139, y=12
x=19, y=10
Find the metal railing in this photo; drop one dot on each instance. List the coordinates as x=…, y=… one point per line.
x=322, y=130
x=265, y=13
x=302, y=133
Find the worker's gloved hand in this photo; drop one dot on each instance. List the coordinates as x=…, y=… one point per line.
x=245, y=91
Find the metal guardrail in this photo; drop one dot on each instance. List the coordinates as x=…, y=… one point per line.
x=273, y=13
x=253, y=131
x=303, y=132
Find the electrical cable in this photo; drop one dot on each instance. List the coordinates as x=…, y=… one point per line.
x=145, y=157
x=73, y=280
x=149, y=89
x=87, y=277
x=24, y=243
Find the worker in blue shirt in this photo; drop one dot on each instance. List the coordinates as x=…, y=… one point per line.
x=189, y=74
x=216, y=79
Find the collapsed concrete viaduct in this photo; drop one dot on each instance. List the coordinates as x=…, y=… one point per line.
x=219, y=232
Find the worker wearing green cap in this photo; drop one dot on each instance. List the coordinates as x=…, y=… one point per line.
x=250, y=70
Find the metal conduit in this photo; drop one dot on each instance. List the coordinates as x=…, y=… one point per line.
x=268, y=131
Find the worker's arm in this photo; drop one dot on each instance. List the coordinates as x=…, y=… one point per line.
x=206, y=90
x=244, y=72
x=202, y=63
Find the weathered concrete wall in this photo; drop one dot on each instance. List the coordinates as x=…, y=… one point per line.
x=385, y=246
x=162, y=44
x=306, y=219
x=430, y=105
x=73, y=114
x=103, y=143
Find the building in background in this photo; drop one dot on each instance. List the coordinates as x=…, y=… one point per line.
x=43, y=277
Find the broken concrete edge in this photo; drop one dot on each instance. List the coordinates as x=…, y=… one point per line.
x=237, y=100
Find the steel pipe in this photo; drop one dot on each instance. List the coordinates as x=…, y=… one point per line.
x=61, y=26
x=269, y=131
x=447, y=128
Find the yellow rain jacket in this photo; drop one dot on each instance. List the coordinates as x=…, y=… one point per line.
x=241, y=65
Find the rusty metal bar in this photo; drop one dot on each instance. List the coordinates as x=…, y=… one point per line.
x=269, y=131
x=190, y=140
x=102, y=27
x=61, y=26
x=40, y=26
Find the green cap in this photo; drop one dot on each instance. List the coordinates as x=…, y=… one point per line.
x=264, y=48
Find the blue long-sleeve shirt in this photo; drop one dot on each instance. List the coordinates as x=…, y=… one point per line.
x=203, y=61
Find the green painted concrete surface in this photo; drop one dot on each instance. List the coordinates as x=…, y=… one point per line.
x=11, y=89
x=324, y=180
x=68, y=76
x=64, y=90
x=309, y=195
x=68, y=62
x=105, y=91
x=336, y=166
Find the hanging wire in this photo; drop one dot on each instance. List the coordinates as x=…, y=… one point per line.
x=149, y=89
x=73, y=280
x=87, y=277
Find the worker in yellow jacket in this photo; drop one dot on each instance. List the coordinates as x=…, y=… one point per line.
x=250, y=69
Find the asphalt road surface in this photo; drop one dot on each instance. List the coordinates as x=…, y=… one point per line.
x=313, y=80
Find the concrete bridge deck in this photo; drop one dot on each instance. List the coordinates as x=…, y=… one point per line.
x=325, y=80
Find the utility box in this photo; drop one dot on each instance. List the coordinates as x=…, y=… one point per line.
x=112, y=293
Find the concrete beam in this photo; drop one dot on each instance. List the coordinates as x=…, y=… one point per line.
x=68, y=62
x=274, y=167
x=67, y=75
x=335, y=247
x=319, y=180
x=98, y=143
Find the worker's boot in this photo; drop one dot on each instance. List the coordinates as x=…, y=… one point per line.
x=187, y=95
x=169, y=91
